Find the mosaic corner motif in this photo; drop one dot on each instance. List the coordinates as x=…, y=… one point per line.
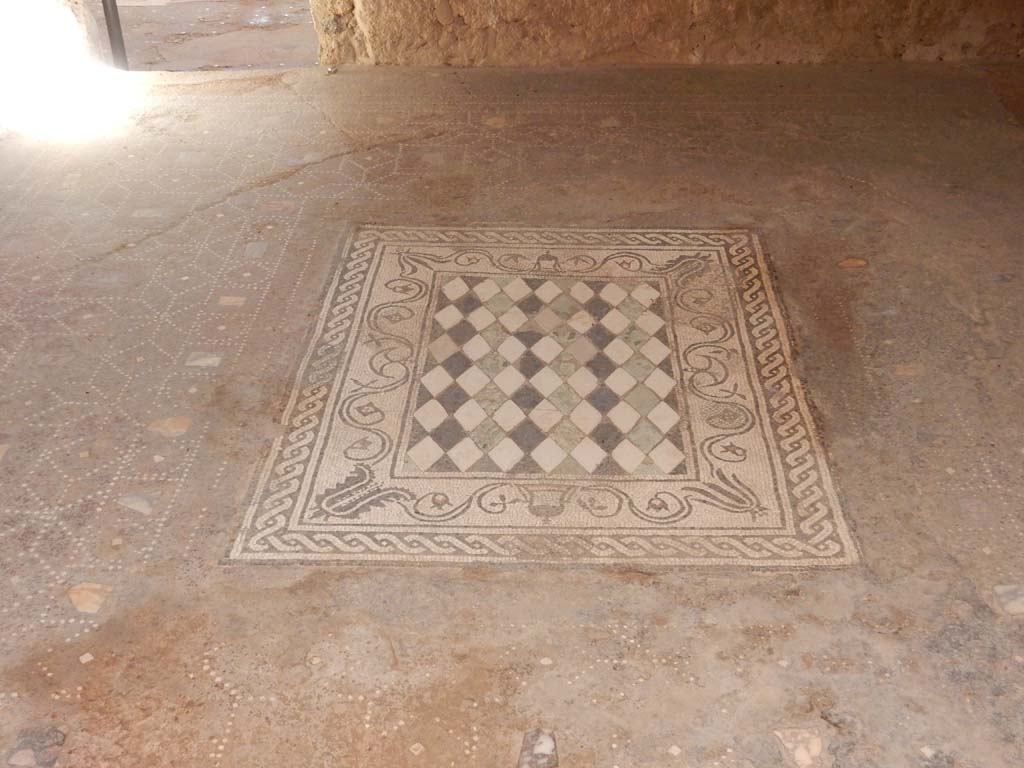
x=547, y=395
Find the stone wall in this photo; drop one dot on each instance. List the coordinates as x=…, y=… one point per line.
x=569, y=32
x=89, y=15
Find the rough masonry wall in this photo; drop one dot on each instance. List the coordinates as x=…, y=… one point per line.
x=559, y=32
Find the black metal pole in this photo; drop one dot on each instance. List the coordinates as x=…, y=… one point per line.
x=113, y=20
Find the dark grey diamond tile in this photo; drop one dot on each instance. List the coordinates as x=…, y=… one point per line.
x=448, y=433
x=452, y=398
x=601, y=366
x=526, y=397
x=603, y=399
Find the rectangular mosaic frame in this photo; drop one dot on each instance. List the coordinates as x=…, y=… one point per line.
x=762, y=496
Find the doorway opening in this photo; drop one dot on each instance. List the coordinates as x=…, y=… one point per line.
x=217, y=34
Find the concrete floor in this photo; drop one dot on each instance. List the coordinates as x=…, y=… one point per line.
x=184, y=35
x=889, y=198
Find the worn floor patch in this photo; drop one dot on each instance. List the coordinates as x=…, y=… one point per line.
x=562, y=396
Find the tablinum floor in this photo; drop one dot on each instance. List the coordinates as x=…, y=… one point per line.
x=160, y=303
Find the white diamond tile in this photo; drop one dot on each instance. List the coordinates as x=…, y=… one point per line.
x=436, y=379
x=509, y=380
x=511, y=348
x=448, y=316
x=476, y=348
x=581, y=349
x=623, y=416
x=645, y=294
x=513, y=320
x=481, y=318
x=581, y=322
x=546, y=381
x=508, y=415
x=582, y=381
x=663, y=417
x=547, y=349
x=627, y=455
x=505, y=454
x=620, y=381
x=464, y=454
x=666, y=456
x=442, y=348
x=660, y=382
x=654, y=351
x=548, y=455
x=486, y=289
x=472, y=380
x=547, y=320
x=469, y=415
x=615, y=321
x=581, y=292
x=585, y=416
x=430, y=414
x=618, y=351
x=545, y=415
x=548, y=292
x=613, y=294
x=649, y=322
x=425, y=453
x=516, y=289
x=453, y=289
x=588, y=454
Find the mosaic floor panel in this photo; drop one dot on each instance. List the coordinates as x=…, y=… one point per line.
x=526, y=395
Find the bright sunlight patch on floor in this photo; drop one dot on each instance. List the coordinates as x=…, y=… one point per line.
x=51, y=86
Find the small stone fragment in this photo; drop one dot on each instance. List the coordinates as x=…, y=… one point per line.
x=231, y=301
x=88, y=597
x=203, y=360
x=137, y=503
x=255, y=250
x=172, y=426
x=1011, y=598
x=23, y=757
x=546, y=662
x=803, y=747
x=3, y=450
x=496, y=121
x=908, y=370
x=417, y=749
x=675, y=750
x=852, y=263
x=539, y=749
x=85, y=658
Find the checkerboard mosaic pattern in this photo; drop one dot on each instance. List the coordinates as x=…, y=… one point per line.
x=516, y=395
x=547, y=376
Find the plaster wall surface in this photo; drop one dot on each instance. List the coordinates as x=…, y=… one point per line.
x=565, y=32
